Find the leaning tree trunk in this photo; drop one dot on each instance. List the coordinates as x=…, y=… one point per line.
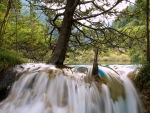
x=59, y=53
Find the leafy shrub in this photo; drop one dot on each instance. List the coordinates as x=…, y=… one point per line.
x=136, y=57
x=143, y=78
x=105, y=58
x=124, y=58
x=113, y=57
x=9, y=59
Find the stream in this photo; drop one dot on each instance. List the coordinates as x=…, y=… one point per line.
x=43, y=88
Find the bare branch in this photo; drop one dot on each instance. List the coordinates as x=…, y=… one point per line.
x=85, y=2
x=105, y=11
x=57, y=15
x=76, y=39
x=85, y=25
x=57, y=9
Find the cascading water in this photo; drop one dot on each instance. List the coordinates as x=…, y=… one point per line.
x=42, y=88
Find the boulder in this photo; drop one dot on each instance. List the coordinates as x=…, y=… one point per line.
x=7, y=78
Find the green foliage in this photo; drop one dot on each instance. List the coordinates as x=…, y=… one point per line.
x=9, y=59
x=3, y=6
x=86, y=57
x=124, y=58
x=26, y=35
x=133, y=22
x=143, y=78
x=105, y=59
x=113, y=57
x=119, y=58
x=136, y=55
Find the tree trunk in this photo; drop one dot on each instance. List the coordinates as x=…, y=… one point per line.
x=2, y=25
x=147, y=30
x=95, y=64
x=59, y=53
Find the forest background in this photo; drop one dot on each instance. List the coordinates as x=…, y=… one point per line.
x=26, y=31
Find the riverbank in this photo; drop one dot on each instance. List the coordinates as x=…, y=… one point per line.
x=144, y=94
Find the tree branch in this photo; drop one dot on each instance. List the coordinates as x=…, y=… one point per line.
x=57, y=15
x=95, y=15
x=6, y=14
x=85, y=2
x=74, y=5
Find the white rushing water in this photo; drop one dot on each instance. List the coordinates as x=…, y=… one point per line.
x=42, y=88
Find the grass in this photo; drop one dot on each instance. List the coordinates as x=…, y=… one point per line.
x=9, y=59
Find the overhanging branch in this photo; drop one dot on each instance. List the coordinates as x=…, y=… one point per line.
x=95, y=15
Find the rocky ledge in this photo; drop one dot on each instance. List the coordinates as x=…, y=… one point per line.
x=7, y=78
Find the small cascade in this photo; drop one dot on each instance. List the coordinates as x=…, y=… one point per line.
x=42, y=88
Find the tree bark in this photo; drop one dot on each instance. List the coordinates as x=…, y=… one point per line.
x=2, y=25
x=147, y=30
x=59, y=53
x=95, y=64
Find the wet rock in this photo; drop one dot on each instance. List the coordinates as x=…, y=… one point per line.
x=145, y=98
x=7, y=78
x=146, y=104
x=132, y=75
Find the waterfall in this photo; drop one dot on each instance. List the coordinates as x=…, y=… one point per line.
x=42, y=88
